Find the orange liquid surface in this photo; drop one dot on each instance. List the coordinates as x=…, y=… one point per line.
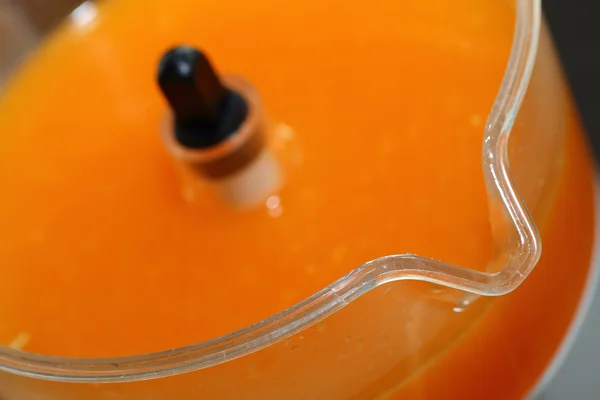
x=101, y=253
x=93, y=220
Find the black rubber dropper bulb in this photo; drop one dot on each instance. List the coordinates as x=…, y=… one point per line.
x=206, y=112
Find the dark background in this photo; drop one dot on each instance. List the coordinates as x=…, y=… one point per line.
x=575, y=25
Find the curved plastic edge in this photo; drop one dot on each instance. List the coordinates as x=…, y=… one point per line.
x=578, y=335
x=521, y=252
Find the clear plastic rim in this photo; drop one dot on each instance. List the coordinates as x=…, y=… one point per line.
x=523, y=254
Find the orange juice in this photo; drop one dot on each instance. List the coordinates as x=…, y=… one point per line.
x=102, y=253
x=488, y=361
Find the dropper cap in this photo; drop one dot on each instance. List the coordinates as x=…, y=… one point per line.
x=206, y=112
x=216, y=130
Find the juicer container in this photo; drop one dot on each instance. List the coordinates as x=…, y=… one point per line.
x=358, y=337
